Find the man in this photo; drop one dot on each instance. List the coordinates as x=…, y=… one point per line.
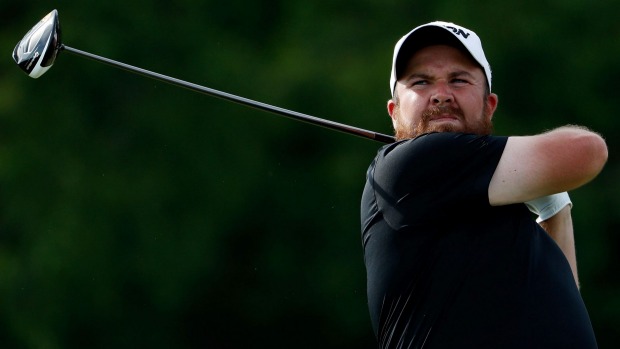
x=454, y=257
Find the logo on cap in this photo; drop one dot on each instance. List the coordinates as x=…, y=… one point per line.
x=458, y=31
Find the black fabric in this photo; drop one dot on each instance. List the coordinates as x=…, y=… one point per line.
x=447, y=270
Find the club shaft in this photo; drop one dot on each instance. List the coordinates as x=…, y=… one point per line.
x=240, y=100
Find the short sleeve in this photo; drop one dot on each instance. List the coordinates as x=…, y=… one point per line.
x=429, y=178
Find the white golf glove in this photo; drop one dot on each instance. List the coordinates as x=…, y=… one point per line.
x=547, y=206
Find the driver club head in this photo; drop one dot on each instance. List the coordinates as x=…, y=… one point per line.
x=36, y=52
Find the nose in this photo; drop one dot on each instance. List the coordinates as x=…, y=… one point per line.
x=442, y=95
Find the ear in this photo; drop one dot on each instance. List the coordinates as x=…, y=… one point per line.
x=391, y=107
x=492, y=101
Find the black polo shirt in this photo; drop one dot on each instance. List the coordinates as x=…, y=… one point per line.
x=447, y=270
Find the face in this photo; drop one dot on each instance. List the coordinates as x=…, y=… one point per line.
x=441, y=90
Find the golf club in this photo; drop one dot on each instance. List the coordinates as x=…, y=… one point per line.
x=37, y=51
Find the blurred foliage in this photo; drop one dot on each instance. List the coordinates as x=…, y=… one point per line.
x=137, y=214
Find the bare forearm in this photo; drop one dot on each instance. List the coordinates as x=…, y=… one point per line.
x=560, y=228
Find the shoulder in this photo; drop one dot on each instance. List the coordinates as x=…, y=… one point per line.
x=438, y=158
x=443, y=145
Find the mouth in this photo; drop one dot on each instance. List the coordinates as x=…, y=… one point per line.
x=444, y=117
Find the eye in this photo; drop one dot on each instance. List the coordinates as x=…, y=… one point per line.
x=460, y=81
x=419, y=82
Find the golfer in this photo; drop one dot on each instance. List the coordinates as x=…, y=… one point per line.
x=468, y=239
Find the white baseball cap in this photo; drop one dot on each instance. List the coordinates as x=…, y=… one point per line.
x=435, y=33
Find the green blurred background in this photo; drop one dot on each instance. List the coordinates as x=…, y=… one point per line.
x=138, y=214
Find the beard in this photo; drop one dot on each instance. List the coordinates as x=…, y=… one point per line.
x=480, y=126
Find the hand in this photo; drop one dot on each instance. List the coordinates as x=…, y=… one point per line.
x=547, y=206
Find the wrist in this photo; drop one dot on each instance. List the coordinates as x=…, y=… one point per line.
x=548, y=206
